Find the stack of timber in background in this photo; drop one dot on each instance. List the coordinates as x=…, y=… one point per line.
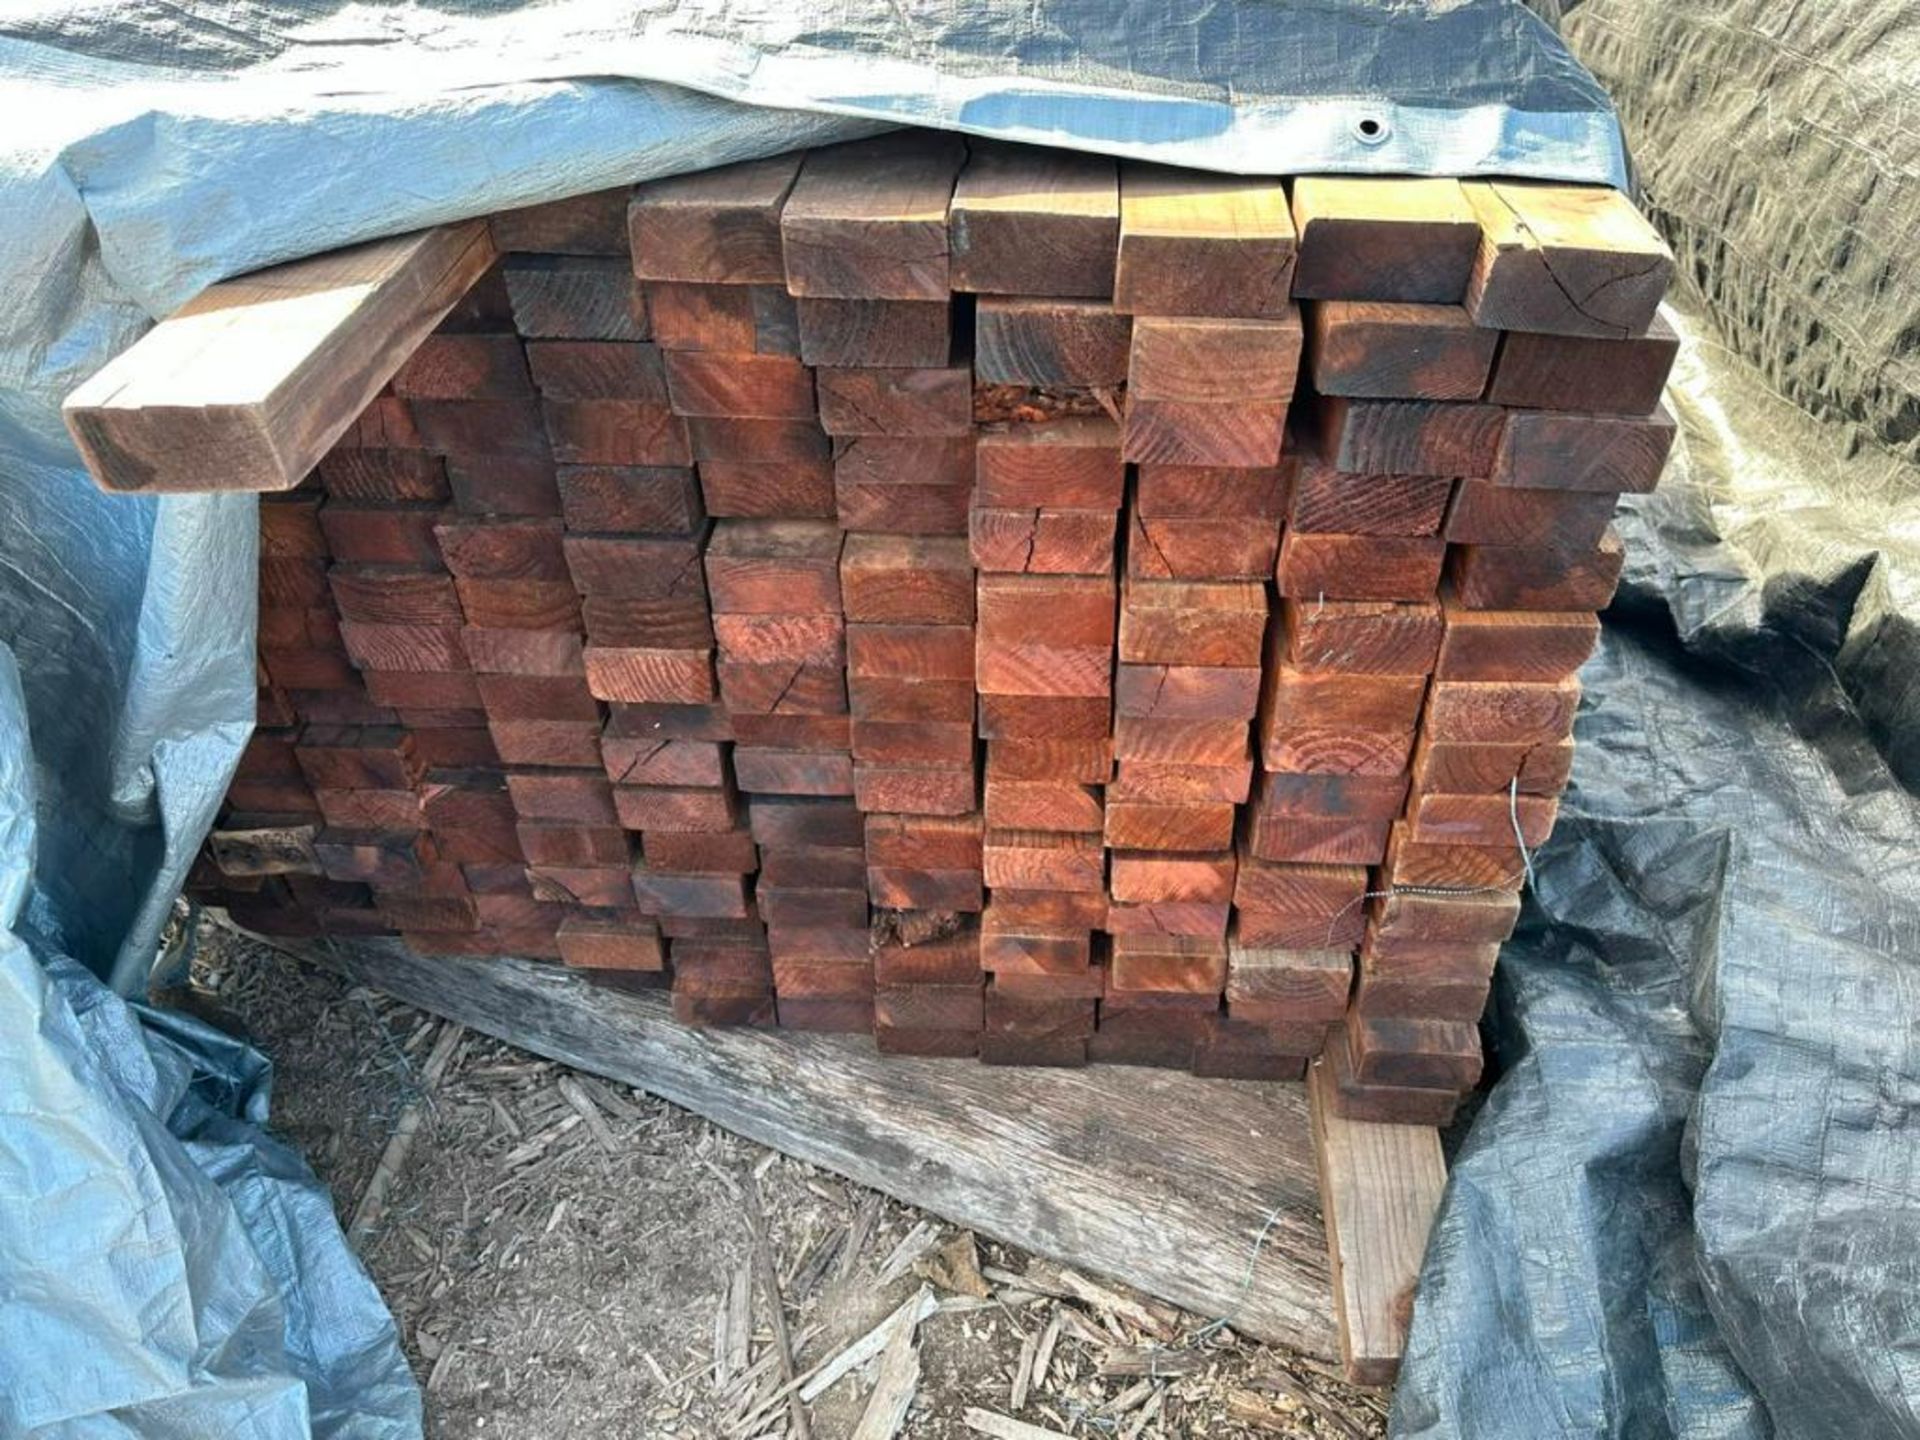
x=1014, y=603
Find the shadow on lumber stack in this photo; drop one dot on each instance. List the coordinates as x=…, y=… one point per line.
x=1006, y=602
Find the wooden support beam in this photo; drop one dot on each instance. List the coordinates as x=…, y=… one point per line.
x=248, y=384
x=1109, y=1179
x=1379, y=1188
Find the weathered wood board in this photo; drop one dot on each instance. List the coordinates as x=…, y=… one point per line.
x=1380, y=1186
x=1165, y=1181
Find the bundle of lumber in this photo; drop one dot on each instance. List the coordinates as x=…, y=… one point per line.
x=1009, y=602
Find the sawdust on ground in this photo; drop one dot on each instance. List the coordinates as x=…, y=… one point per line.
x=567, y=1256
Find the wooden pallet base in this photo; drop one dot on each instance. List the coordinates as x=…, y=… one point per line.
x=1165, y=1182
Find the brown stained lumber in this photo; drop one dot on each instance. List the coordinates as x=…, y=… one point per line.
x=765, y=639
x=1380, y=1188
x=1501, y=711
x=1181, y=782
x=616, y=432
x=704, y=317
x=1494, y=577
x=719, y=227
x=1187, y=492
x=1399, y=239
x=937, y=507
x=1186, y=692
x=1201, y=623
x=1408, y=437
x=1476, y=767
x=775, y=567
x=1314, y=706
x=1446, y=919
x=1183, y=432
x=1452, y=866
x=750, y=490
x=536, y=697
x=575, y=297
x=1313, y=796
x=676, y=621
x=1087, y=761
x=1042, y=860
x=634, y=567
x=1028, y=221
x=754, y=440
x=1071, y=611
x=922, y=652
x=1564, y=260
x=592, y=944
x=1441, y=998
x=907, y=700
x=661, y=499
x=1364, y=636
x=711, y=384
x=885, y=333
x=1380, y=350
x=1195, y=244
x=1336, y=502
x=347, y=473
x=1550, y=449
x=1041, y=541
x=906, y=579
x=913, y=742
x=926, y=400
x=867, y=220
x=463, y=367
x=1155, y=825
x=1072, y=463
x=1147, y=876
x=1195, y=548
x=1569, y=372
x=1359, y=567
x=1488, y=514
x=502, y=549
x=1050, y=342
x=792, y=772
x=1307, y=982
x=1041, y=805
x=1514, y=645
x=590, y=224
x=501, y=485
x=1215, y=361
x=786, y=687
x=249, y=384
x=388, y=596
x=1414, y=1053
x=631, y=674
x=1483, y=820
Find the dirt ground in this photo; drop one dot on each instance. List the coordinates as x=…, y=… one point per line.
x=567, y=1256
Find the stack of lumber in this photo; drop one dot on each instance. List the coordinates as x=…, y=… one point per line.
x=1005, y=601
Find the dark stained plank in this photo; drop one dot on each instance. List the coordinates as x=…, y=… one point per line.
x=1564, y=260
x=1050, y=342
x=1570, y=372
x=1028, y=221
x=1367, y=238
x=1196, y=244
x=868, y=220
x=1375, y=349
x=719, y=227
